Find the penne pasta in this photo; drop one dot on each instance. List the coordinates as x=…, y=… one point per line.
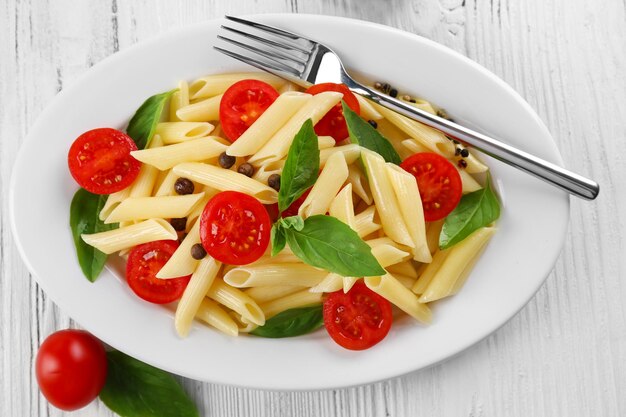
x=433, y=230
x=428, y=271
x=141, y=208
x=194, y=150
x=331, y=283
x=212, y=85
x=176, y=132
x=223, y=179
x=350, y=153
x=297, y=274
x=403, y=268
x=143, y=185
x=357, y=178
x=211, y=313
x=237, y=301
x=298, y=299
x=364, y=222
x=342, y=206
x=203, y=111
x=391, y=289
x=179, y=99
x=265, y=294
x=126, y=237
x=326, y=187
x=112, y=201
x=181, y=263
x=368, y=112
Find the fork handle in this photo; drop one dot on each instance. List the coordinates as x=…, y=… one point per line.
x=560, y=177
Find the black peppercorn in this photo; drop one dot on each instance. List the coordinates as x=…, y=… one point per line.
x=462, y=163
x=457, y=151
x=183, y=186
x=226, y=161
x=179, y=224
x=373, y=123
x=274, y=181
x=378, y=85
x=464, y=153
x=246, y=169
x=393, y=93
x=197, y=251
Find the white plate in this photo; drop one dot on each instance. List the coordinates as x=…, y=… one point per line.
x=520, y=256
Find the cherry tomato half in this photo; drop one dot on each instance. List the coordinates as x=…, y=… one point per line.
x=71, y=369
x=144, y=262
x=243, y=103
x=235, y=228
x=438, y=181
x=292, y=210
x=358, y=319
x=100, y=161
x=333, y=123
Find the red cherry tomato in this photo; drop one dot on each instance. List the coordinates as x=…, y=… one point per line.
x=333, y=123
x=235, y=228
x=144, y=262
x=359, y=319
x=100, y=161
x=242, y=104
x=71, y=369
x=292, y=210
x=438, y=181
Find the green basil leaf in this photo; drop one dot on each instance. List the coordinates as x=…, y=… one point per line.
x=475, y=210
x=84, y=211
x=326, y=242
x=278, y=238
x=301, y=167
x=364, y=134
x=294, y=222
x=136, y=389
x=293, y=322
x=143, y=124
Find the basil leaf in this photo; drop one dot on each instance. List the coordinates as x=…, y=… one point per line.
x=136, y=389
x=84, y=211
x=301, y=167
x=278, y=238
x=475, y=210
x=143, y=124
x=326, y=242
x=363, y=134
x=294, y=222
x=292, y=322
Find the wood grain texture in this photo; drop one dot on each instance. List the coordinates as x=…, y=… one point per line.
x=564, y=354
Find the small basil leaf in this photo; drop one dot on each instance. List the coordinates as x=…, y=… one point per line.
x=293, y=322
x=277, y=238
x=84, y=211
x=294, y=222
x=301, y=167
x=143, y=124
x=136, y=389
x=363, y=134
x=475, y=210
x=326, y=242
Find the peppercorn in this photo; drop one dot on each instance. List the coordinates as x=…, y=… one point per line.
x=406, y=97
x=393, y=93
x=226, y=161
x=179, y=224
x=183, y=186
x=385, y=88
x=462, y=163
x=274, y=181
x=464, y=153
x=373, y=123
x=457, y=151
x=246, y=169
x=378, y=85
x=197, y=251
x=412, y=101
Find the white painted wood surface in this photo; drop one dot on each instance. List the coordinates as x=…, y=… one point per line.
x=563, y=355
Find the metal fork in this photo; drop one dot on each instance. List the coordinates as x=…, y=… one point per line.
x=305, y=62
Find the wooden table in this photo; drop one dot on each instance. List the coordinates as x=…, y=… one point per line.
x=563, y=355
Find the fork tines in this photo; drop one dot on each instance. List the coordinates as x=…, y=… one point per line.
x=275, y=50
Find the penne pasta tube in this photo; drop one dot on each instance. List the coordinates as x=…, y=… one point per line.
x=265, y=294
x=166, y=186
x=433, y=230
x=244, y=325
x=474, y=165
x=266, y=126
x=348, y=283
x=126, y=237
x=368, y=112
x=197, y=210
x=408, y=282
x=263, y=173
x=386, y=202
x=325, y=142
x=215, y=84
x=342, y=207
x=195, y=292
x=194, y=150
x=287, y=87
x=331, y=283
x=179, y=99
x=224, y=179
x=181, y=263
x=112, y=201
x=413, y=146
x=428, y=271
x=176, y=132
x=237, y=301
x=278, y=146
x=364, y=222
x=301, y=298
x=350, y=153
x=388, y=254
x=326, y=187
x=298, y=274
x=140, y=208
x=407, y=194
x=403, y=268
x=211, y=313
x=397, y=294
x=357, y=178
x=202, y=111
x=469, y=183
x=456, y=267
x=143, y=185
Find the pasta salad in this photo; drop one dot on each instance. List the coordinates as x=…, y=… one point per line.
x=261, y=208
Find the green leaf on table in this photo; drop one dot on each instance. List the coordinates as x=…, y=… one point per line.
x=292, y=322
x=143, y=124
x=364, y=134
x=136, y=389
x=475, y=210
x=301, y=167
x=328, y=243
x=84, y=211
